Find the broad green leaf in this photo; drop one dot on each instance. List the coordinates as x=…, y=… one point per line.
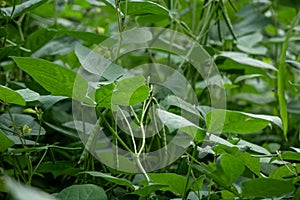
x=23, y=192
x=118, y=181
x=103, y=95
x=54, y=78
x=254, y=19
x=235, y=122
x=197, y=184
x=232, y=168
x=6, y=51
x=145, y=191
x=173, y=121
x=39, y=38
x=58, y=168
x=266, y=187
x=48, y=101
x=227, y=195
x=287, y=172
x=28, y=95
x=253, y=147
x=58, y=46
x=10, y=96
x=297, y=194
x=138, y=7
x=252, y=163
x=95, y=63
x=243, y=59
x=108, y=157
x=18, y=10
x=180, y=103
x=82, y=192
x=3, y=32
x=249, y=44
x=63, y=131
x=293, y=156
x=261, y=99
x=245, y=77
x=111, y=2
x=130, y=91
x=176, y=183
x=5, y=142
x=293, y=63
x=86, y=36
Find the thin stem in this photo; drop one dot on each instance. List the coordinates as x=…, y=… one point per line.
x=115, y=133
x=130, y=130
x=189, y=173
x=15, y=127
x=142, y=126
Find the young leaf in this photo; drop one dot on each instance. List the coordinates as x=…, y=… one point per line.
x=9, y=96
x=130, y=91
x=54, y=78
x=82, y=192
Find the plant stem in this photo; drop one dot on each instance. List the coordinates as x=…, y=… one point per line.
x=281, y=77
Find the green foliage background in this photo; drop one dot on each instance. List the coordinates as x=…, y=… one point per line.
x=255, y=45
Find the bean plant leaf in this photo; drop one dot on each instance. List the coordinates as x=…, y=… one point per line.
x=21, y=8
x=286, y=172
x=176, y=183
x=97, y=64
x=145, y=191
x=57, y=46
x=138, y=7
x=5, y=142
x=232, y=168
x=130, y=91
x=82, y=192
x=110, y=178
x=103, y=95
x=243, y=59
x=235, y=122
x=266, y=187
x=10, y=96
x=48, y=100
x=252, y=163
x=28, y=94
x=54, y=78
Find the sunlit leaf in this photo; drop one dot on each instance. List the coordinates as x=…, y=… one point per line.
x=10, y=96
x=235, y=122
x=82, y=192
x=54, y=78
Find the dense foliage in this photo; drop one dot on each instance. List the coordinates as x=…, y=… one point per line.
x=246, y=148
